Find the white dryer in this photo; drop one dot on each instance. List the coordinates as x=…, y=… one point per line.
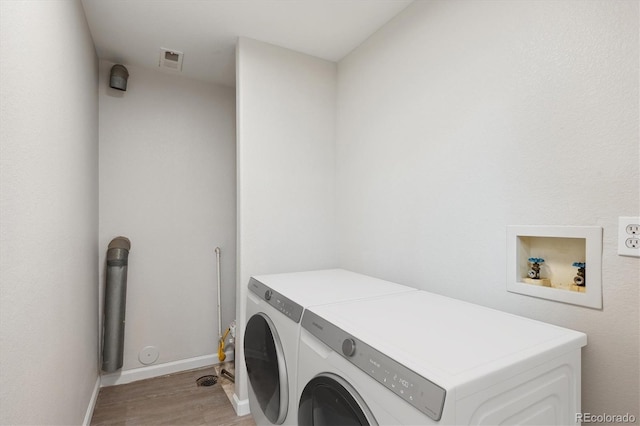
x=421, y=358
x=275, y=304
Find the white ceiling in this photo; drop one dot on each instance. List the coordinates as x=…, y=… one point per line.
x=206, y=31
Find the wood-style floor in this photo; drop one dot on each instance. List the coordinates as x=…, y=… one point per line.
x=174, y=399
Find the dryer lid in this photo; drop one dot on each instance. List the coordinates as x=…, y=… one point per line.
x=328, y=286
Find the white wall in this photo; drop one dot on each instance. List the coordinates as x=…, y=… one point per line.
x=48, y=213
x=460, y=118
x=286, y=173
x=167, y=182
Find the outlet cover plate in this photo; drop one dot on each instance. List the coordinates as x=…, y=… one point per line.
x=628, y=236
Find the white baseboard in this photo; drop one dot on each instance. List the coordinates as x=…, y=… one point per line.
x=241, y=406
x=92, y=403
x=129, y=376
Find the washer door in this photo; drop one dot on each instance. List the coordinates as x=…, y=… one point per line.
x=329, y=400
x=266, y=367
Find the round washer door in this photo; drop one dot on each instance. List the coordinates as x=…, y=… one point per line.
x=266, y=367
x=329, y=400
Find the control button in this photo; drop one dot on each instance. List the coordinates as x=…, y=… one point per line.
x=268, y=294
x=348, y=347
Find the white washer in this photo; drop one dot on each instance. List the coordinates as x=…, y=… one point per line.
x=275, y=304
x=421, y=358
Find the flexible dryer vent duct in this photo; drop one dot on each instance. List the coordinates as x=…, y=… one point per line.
x=118, y=77
x=115, y=296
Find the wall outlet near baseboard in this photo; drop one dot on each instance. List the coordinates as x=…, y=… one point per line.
x=629, y=236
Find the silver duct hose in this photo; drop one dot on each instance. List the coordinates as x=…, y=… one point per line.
x=115, y=296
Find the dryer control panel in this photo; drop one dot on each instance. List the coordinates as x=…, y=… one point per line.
x=418, y=391
x=289, y=308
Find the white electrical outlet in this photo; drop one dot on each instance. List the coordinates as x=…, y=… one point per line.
x=629, y=236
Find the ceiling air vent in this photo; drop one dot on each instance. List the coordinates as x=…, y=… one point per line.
x=170, y=59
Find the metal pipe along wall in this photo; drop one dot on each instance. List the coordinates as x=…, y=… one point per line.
x=115, y=304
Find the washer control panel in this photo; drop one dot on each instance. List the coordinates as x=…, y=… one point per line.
x=289, y=308
x=418, y=391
